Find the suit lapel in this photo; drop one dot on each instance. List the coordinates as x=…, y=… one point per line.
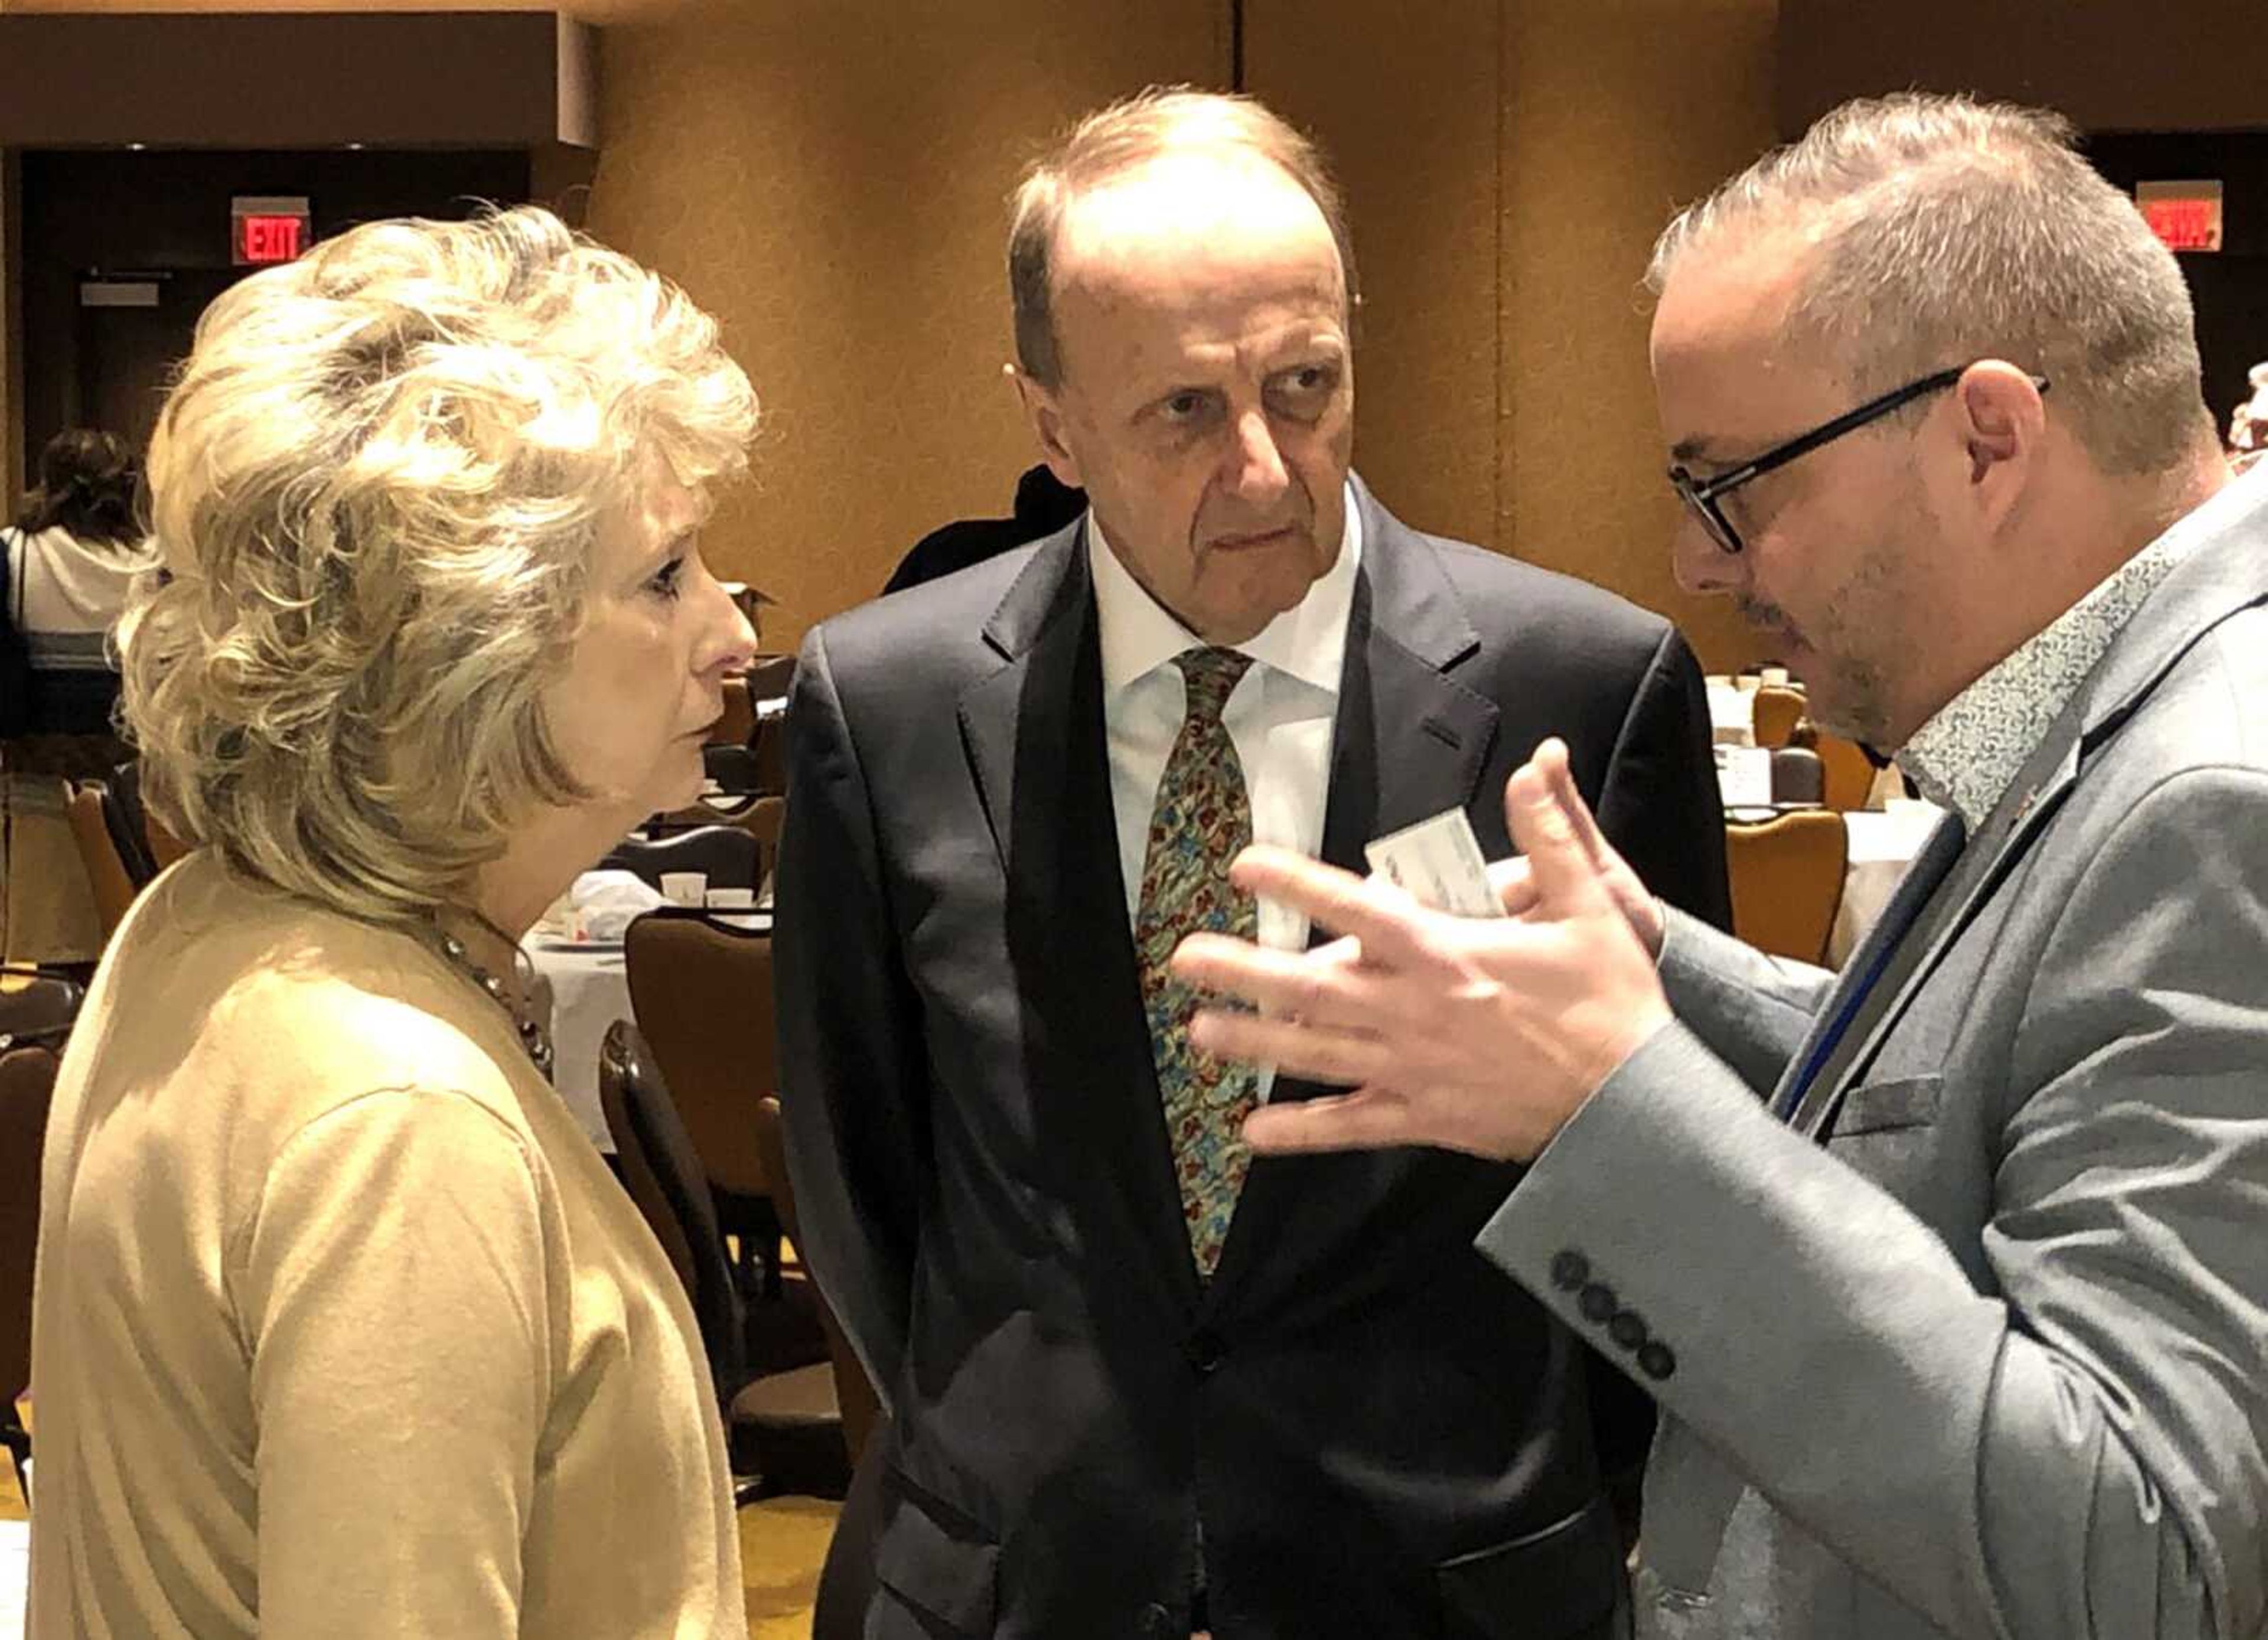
x=1036, y=744
x=2226, y=573
x=1407, y=742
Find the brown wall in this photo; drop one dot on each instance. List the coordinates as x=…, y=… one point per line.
x=835, y=194
x=829, y=179
x=1509, y=164
x=2111, y=65
x=1616, y=112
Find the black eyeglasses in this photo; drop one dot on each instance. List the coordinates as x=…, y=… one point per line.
x=1703, y=496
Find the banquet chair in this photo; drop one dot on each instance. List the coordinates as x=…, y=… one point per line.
x=662, y=1175
x=1776, y=709
x=36, y=1007
x=737, y=726
x=770, y=679
x=726, y=854
x=702, y=994
x=143, y=842
x=1850, y=776
x=857, y=1405
x=733, y=767
x=1787, y=881
x=770, y=676
x=27, y=1081
x=763, y=821
x=773, y=1382
x=107, y=877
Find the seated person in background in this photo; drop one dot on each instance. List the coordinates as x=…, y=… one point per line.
x=68, y=561
x=342, y=1327
x=2247, y=427
x=1044, y=504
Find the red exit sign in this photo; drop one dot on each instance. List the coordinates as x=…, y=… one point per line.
x=2185, y=215
x=266, y=228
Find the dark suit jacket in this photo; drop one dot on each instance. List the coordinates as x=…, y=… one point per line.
x=1378, y=1436
x=1044, y=504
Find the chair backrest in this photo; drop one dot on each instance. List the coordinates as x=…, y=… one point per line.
x=701, y=993
x=106, y=875
x=733, y=767
x=37, y=1007
x=770, y=676
x=854, y=1392
x=121, y=816
x=27, y=1082
x=770, y=679
x=726, y=854
x=737, y=726
x=136, y=828
x=1850, y=776
x=763, y=821
x=662, y=1174
x=1787, y=881
x=1776, y=709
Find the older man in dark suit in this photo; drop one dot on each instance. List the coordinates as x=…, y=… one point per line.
x=1140, y=1385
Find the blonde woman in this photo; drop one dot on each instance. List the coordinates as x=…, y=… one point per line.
x=342, y=1328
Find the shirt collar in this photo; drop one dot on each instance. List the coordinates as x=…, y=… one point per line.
x=1306, y=642
x=1964, y=756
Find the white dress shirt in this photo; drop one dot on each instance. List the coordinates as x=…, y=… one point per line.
x=1280, y=715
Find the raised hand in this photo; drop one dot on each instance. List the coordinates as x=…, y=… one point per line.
x=1514, y=883
x=1477, y=1035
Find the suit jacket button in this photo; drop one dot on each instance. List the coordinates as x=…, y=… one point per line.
x=1157, y=1622
x=1627, y=1328
x=1204, y=1350
x=1656, y=1361
x=1569, y=1270
x=1596, y=1302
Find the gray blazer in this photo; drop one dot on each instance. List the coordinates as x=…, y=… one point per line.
x=1979, y=1345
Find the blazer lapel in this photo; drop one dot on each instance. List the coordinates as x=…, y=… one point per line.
x=2227, y=572
x=1036, y=744
x=1408, y=741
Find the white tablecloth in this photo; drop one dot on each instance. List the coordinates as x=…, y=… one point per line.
x=1881, y=847
x=590, y=990
x=15, y=1575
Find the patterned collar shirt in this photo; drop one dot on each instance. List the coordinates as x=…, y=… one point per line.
x=1963, y=758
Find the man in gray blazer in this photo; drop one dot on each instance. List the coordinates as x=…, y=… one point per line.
x=1949, y=1273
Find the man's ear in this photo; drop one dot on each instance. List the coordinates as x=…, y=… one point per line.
x=2003, y=422
x=1043, y=413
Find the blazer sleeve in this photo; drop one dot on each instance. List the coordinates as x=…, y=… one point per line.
x=853, y=1093
x=1659, y=806
x=1752, y=1009
x=2074, y=1448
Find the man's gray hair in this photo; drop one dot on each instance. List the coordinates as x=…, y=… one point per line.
x=1950, y=230
x=1112, y=140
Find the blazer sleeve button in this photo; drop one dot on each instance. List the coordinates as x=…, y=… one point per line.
x=1627, y=1328
x=1596, y=1302
x=1569, y=1270
x=1656, y=1361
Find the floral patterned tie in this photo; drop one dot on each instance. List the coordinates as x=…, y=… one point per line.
x=1201, y=819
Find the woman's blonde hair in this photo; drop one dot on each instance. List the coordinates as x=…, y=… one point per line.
x=375, y=489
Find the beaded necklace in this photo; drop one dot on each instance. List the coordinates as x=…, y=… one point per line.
x=532, y=1035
